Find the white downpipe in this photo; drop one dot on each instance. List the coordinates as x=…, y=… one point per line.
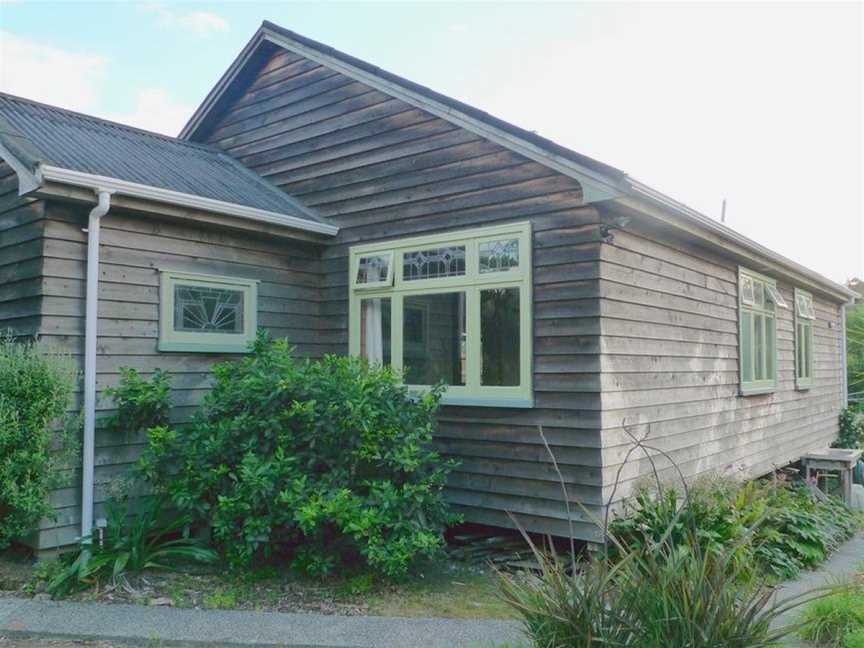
x=90, y=334
x=843, y=358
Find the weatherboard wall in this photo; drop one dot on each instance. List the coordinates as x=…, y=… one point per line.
x=134, y=249
x=669, y=363
x=380, y=169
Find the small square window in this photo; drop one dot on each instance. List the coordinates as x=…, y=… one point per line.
x=201, y=313
x=748, y=293
x=775, y=296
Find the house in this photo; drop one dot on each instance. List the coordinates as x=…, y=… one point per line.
x=352, y=211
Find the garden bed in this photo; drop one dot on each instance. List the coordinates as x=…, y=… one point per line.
x=445, y=589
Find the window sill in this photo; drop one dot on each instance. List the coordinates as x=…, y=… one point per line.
x=491, y=401
x=187, y=347
x=757, y=391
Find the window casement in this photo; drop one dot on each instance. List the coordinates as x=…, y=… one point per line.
x=805, y=314
x=452, y=308
x=758, y=299
x=206, y=314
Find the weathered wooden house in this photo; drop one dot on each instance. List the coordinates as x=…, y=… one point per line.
x=352, y=211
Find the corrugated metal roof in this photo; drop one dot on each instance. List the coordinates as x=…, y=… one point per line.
x=38, y=133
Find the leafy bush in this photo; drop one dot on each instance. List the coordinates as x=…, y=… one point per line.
x=776, y=527
x=330, y=456
x=35, y=390
x=141, y=403
x=132, y=543
x=831, y=620
x=851, y=429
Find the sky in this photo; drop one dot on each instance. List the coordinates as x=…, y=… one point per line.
x=760, y=104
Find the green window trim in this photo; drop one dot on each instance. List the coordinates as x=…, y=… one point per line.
x=453, y=280
x=758, y=299
x=173, y=340
x=804, y=344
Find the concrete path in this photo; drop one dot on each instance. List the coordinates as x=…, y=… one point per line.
x=842, y=565
x=155, y=625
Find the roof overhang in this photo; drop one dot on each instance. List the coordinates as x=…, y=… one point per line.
x=46, y=173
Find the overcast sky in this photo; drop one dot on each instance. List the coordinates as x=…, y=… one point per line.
x=758, y=103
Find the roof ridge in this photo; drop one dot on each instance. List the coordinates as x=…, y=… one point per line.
x=106, y=122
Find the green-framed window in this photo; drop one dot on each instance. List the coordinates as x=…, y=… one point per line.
x=206, y=314
x=805, y=314
x=758, y=299
x=452, y=307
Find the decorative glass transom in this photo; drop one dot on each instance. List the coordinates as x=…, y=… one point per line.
x=208, y=310
x=434, y=264
x=499, y=256
x=804, y=303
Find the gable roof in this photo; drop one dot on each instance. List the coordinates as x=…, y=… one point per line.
x=57, y=144
x=599, y=181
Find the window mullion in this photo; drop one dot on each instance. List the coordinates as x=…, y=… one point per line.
x=396, y=330
x=473, y=345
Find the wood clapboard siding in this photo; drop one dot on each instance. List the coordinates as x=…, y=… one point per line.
x=380, y=168
x=22, y=223
x=133, y=250
x=669, y=367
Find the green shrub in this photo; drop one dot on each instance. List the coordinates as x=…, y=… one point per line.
x=831, y=620
x=329, y=456
x=132, y=542
x=851, y=429
x=774, y=526
x=35, y=391
x=854, y=640
x=141, y=403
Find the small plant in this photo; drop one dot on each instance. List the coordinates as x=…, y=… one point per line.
x=141, y=403
x=851, y=429
x=221, y=599
x=132, y=543
x=832, y=620
x=35, y=392
x=330, y=457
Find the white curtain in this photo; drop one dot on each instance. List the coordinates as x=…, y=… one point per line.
x=374, y=342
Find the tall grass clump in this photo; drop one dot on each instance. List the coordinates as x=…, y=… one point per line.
x=35, y=432
x=680, y=576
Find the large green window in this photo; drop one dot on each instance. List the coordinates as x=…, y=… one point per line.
x=452, y=308
x=758, y=299
x=804, y=316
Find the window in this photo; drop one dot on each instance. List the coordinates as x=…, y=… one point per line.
x=757, y=325
x=207, y=314
x=457, y=310
x=804, y=316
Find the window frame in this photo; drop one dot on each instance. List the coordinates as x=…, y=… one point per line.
x=374, y=285
x=804, y=382
x=766, y=385
x=171, y=340
x=472, y=283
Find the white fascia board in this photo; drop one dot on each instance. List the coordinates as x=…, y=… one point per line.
x=134, y=189
x=27, y=180
x=644, y=192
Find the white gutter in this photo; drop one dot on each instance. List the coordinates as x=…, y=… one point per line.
x=640, y=190
x=90, y=336
x=136, y=190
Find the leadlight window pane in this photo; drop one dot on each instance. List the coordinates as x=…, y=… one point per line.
x=759, y=294
x=374, y=268
x=499, y=333
x=201, y=309
x=499, y=256
x=375, y=330
x=434, y=263
x=748, y=294
x=433, y=339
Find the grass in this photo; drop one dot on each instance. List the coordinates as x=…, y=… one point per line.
x=837, y=620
